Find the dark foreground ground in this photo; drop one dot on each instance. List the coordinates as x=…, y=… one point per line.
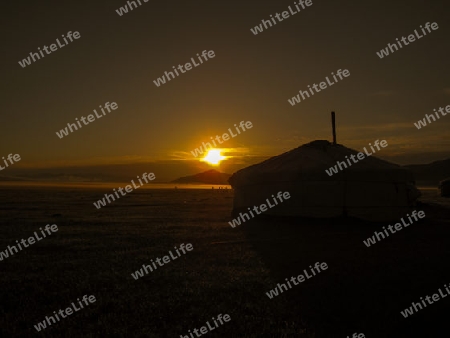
x=228, y=272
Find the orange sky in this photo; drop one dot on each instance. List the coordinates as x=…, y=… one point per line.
x=250, y=79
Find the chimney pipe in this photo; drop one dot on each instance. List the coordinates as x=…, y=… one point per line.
x=333, y=124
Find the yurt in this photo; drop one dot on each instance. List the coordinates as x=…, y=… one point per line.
x=444, y=187
x=371, y=189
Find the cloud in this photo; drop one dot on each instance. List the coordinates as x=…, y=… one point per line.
x=229, y=152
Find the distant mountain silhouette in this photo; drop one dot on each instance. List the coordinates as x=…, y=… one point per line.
x=431, y=173
x=208, y=177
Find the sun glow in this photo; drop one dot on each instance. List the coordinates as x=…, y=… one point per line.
x=213, y=157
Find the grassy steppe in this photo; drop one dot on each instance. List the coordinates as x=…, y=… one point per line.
x=229, y=270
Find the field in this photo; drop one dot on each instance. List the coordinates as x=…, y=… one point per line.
x=229, y=270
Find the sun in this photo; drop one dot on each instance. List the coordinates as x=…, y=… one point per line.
x=213, y=157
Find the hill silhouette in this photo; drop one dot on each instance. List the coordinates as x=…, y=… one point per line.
x=431, y=173
x=207, y=177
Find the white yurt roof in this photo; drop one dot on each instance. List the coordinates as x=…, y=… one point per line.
x=309, y=162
